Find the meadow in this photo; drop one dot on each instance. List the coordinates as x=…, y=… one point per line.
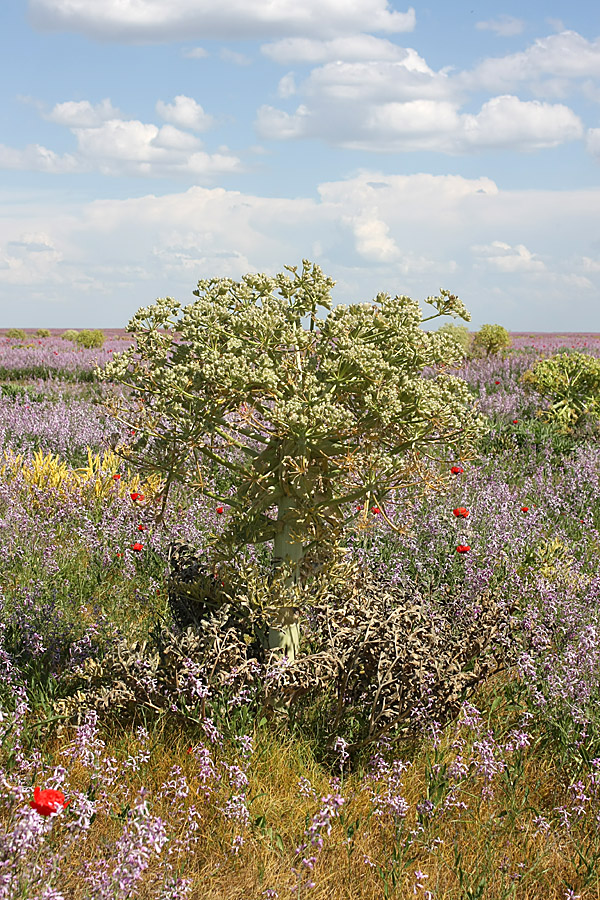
x=193, y=786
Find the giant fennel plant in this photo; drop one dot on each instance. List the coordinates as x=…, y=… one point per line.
x=310, y=416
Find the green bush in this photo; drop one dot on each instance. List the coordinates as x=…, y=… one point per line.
x=461, y=335
x=491, y=339
x=43, y=332
x=18, y=333
x=571, y=382
x=90, y=339
x=69, y=335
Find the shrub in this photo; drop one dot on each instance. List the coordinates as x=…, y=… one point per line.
x=491, y=339
x=571, y=381
x=43, y=333
x=69, y=335
x=17, y=333
x=460, y=333
x=90, y=339
x=339, y=410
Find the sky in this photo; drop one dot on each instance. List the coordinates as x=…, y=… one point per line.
x=145, y=144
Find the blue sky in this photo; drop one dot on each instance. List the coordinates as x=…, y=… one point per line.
x=148, y=143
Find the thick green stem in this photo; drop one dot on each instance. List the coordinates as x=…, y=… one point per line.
x=284, y=631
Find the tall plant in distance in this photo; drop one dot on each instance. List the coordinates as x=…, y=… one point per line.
x=319, y=417
x=491, y=339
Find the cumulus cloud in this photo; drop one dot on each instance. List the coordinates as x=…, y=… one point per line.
x=589, y=264
x=82, y=113
x=169, y=20
x=567, y=55
x=423, y=124
x=521, y=125
x=28, y=260
x=118, y=146
x=195, y=53
x=287, y=86
x=503, y=258
x=185, y=112
x=372, y=238
x=36, y=158
x=406, y=234
x=231, y=56
x=593, y=142
x=352, y=48
x=504, y=26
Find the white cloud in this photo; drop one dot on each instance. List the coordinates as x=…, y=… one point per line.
x=421, y=124
x=287, y=86
x=520, y=125
x=117, y=146
x=504, y=258
x=565, y=55
x=195, y=53
x=82, y=113
x=589, y=264
x=405, y=234
x=136, y=148
x=593, y=142
x=169, y=20
x=185, y=112
x=30, y=259
x=504, y=26
x=354, y=48
x=36, y=158
x=231, y=56
x=372, y=238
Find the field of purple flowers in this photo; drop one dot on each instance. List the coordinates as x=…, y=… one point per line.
x=203, y=794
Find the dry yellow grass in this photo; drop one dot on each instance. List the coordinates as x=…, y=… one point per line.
x=492, y=848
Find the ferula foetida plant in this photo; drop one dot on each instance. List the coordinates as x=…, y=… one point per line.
x=571, y=382
x=491, y=339
x=310, y=416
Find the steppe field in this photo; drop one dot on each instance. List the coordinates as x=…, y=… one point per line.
x=141, y=759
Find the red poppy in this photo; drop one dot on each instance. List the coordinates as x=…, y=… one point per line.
x=116, y=477
x=375, y=510
x=515, y=421
x=219, y=509
x=141, y=527
x=496, y=382
x=137, y=547
x=136, y=496
x=457, y=470
x=463, y=548
x=119, y=554
x=48, y=801
x=524, y=509
x=358, y=508
x=460, y=512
